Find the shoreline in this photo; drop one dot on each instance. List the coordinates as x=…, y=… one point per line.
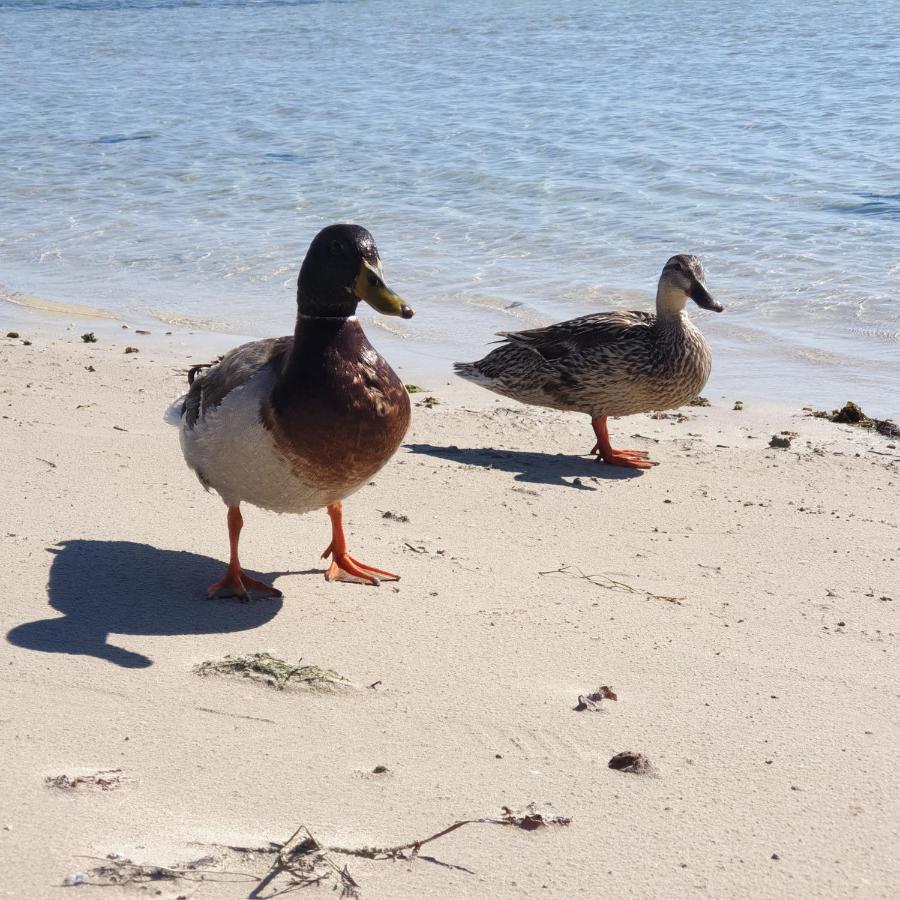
x=51, y=320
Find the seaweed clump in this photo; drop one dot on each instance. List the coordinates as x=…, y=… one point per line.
x=274, y=671
x=851, y=414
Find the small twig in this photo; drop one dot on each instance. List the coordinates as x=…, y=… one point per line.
x=294, y=859
x=395, y=852
x=220, y=712
x=610, y=584
x=302, y=852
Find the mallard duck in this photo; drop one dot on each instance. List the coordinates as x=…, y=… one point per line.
x=609, y=364
x=298, y=423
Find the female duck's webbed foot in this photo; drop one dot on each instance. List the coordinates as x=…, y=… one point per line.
x=237, y=582
x=629, y=459
x=634, y=454
x=342, y=563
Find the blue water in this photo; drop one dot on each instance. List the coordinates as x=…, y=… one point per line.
x=517, y=163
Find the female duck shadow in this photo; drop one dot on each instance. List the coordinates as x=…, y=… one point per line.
x=120, y=587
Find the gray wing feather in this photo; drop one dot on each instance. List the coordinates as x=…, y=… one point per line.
x=209, y=388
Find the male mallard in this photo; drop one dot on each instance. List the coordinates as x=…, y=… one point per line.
x=293, y=424
x=609, y=364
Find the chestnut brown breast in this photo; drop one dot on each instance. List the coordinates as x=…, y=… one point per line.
x=338, y=411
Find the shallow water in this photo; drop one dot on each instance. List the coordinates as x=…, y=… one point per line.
x=515, y=166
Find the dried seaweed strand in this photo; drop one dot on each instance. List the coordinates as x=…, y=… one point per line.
x=610, y=584
x=124, y=871
x=302, y=852
x=264, y=665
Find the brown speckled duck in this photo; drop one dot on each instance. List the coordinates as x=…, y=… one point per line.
x=294, y=424
x=609, y=364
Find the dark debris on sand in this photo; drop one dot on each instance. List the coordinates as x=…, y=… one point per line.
x=629, y=761
x=851, y=414
x=592, y=702
x=270, y=669
x=105, y=780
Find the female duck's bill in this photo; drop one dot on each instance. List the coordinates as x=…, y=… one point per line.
x=684, y=273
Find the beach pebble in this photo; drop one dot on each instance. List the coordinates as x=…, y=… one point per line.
x=630, y=762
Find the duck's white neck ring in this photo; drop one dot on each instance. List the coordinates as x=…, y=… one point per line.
x=330, y=318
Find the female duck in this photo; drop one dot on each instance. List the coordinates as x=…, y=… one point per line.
x=294, y=424
x=609, y=364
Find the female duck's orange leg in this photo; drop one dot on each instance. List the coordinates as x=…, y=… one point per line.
x=630, y=459
x=236, y=582
x=342, y=562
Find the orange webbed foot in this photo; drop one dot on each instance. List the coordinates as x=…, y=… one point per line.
x=238, y=583
x=634, y=454
x=345, y=568
x=628, y=459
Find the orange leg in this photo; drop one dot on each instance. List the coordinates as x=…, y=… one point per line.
x=344, y=564
x=237, y=582
x=630, y=459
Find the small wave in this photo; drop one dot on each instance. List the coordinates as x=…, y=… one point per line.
x=122, y=138
x=53, y=307
x=285, y=157
x=878, y=334
x=391, y=327
x=149, y=5
x=885, y=206
x=178, y=320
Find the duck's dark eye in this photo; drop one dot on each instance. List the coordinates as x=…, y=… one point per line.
x=373, y=281
x=337, y=248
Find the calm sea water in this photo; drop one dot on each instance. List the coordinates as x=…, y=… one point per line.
x=516, y=162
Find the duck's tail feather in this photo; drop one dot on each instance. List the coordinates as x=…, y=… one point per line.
x=471, y=372
x=173, y=413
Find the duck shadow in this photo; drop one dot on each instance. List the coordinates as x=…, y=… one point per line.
x=120, y=587
x=534, y=468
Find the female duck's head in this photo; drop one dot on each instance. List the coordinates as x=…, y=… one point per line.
x=683, y=277
x=341, y=268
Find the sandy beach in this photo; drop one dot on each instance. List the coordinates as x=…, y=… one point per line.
x=740, y=600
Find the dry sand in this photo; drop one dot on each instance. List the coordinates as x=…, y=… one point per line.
x=743, y=605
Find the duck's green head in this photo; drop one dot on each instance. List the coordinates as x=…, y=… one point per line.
x=341, y=268
x=683, y=277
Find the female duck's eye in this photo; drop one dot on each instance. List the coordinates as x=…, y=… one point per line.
x=373, y=281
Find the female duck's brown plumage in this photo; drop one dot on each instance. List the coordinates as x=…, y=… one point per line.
x=299, y=423
x=609, y=364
